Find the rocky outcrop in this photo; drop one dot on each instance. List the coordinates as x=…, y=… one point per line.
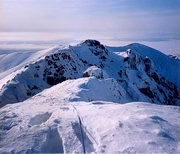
x=152, y=84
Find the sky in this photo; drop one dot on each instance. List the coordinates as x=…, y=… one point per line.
x=113, y=22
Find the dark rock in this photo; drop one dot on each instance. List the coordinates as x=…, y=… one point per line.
x=50, y=80
x=84, y=61
x=155, y=77
x=129, y=51
x=55, y=75
x=26, y=66
x=74, y=68
x=120, y=73
x=102, y=47
x=146, y=91
x=92, y=42
x=161, y=90
x=50, y=62
x=95, y=52
x=36, y=75
x=55, y=65
x=29, y=93
x=103, y=58
x=34, y=87
x=61, y=79
x=101, y=65
x=126, y=59
x=55, y=57
x=47, y=57
x=37, y=67
x=65, y=56
x=139, y=77
x=163, y=82
x=148, y=65
x=173, y=56
x=86, y=74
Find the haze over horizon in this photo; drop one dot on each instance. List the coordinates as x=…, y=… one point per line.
x=116, y=23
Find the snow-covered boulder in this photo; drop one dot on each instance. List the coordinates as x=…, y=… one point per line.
x=96, y=72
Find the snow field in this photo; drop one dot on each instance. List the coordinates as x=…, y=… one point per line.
x=50, y=122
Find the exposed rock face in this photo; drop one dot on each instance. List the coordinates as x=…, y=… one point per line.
x=157, y=88
x=62, y=66
x=134, y=76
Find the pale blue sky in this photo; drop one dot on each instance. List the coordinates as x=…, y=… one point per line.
x=113, y=20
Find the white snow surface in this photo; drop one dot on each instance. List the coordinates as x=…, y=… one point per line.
x=63, y=120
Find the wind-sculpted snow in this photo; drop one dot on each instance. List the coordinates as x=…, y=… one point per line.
x=95, y=71
x=62, y=120
x=135, y=74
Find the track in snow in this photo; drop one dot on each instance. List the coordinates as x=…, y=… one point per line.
x=84, y=137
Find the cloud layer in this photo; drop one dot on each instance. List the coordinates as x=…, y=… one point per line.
x=117, y=20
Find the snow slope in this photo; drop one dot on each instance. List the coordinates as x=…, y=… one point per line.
x=138, y=73
x=14, y=61
x=62, y=119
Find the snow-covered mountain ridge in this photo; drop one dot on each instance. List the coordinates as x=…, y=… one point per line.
x=82, y=99
x=138, y=73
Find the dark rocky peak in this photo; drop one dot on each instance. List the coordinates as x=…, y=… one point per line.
x=96, y=48
x=93, y=43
